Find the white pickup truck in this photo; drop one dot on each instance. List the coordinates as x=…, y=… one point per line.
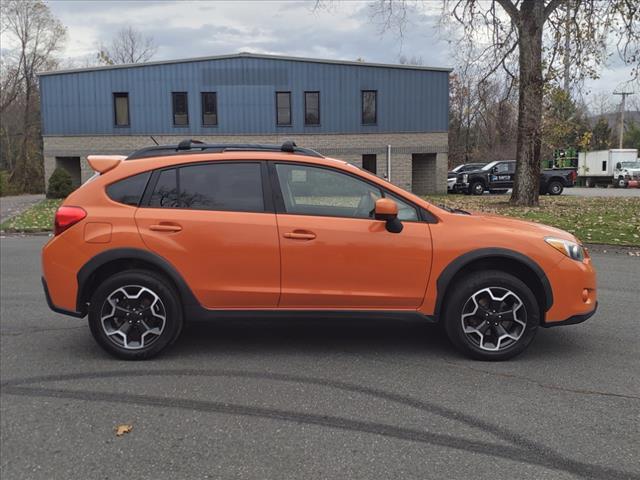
x=606, y=167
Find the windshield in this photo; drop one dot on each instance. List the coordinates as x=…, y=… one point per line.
x=489, y=166
x=630, y=164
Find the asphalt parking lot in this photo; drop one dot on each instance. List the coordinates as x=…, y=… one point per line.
x=322, y=400
x=602, y=192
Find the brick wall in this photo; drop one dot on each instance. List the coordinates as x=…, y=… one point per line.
x=349, y=147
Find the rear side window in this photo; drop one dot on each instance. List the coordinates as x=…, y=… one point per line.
x=129, y=190
x=225, y=186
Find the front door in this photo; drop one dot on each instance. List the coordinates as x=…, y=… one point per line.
x=335, y=255
x=502, y=175
x=210, y=222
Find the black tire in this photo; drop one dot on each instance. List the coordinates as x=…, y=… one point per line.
x=555, y=187
x=621, y=183
x=477, y=188
x=169, y=305
x=457, y=302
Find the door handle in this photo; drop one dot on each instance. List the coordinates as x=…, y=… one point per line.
x=164, y=227
x=299, y=235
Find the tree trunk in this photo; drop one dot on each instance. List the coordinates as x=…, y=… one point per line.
x=527, y=181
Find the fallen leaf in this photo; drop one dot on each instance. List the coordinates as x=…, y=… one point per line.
x=122, y=429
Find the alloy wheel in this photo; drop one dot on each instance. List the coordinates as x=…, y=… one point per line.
x=133, y=317
x=494, y=318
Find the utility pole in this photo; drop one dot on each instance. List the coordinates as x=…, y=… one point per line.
x=624, y=95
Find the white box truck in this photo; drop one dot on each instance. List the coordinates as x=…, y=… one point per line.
x=609, y=167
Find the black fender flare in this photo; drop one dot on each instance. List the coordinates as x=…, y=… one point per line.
x=116, y=254
x=455, y=266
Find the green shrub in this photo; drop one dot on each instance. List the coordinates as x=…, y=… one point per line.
x=60, y=184
x=4, y=183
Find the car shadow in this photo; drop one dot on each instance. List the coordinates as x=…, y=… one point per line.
x=304, y=335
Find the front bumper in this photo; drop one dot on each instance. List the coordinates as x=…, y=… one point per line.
x=573, y=320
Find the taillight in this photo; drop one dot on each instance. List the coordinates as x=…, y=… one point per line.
x=573, y=175
x=67, y=217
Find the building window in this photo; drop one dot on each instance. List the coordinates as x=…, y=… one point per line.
x=283, y=108
x=312, y=108
x=369, y=163
x=369, y=107
x=180, y=109
x=121, y=109
x=209, y=109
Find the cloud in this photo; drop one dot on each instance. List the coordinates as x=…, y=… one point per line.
x=191, y=29
x=345, y=31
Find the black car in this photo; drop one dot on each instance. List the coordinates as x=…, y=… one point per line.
x=498, y=177
x=453, y=173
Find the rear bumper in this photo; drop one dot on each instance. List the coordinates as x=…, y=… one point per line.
x=57, y=309
x=573, y=320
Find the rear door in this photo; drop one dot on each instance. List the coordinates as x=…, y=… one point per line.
x=214, y=222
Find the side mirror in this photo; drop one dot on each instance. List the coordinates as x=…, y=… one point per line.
x=618, y=166
x=386, y=209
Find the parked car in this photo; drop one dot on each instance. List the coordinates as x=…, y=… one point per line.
x=498, y=177
x=453, y=174
x=174, y=234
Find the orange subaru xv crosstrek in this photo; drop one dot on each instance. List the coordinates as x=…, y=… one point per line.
x=173, y=234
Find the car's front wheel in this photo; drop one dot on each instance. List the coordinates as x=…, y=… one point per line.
x=135, y=314
x=491, y=315
x=477, y=188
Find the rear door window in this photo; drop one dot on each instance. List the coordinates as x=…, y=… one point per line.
x=129, y=190
x=226, y=186
x=165, y=193
x=212, y=186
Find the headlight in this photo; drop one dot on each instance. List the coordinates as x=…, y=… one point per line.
x=570, y=249
x=465, y=178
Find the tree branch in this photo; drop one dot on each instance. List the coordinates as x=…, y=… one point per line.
x=511, y=10
x=551, y=7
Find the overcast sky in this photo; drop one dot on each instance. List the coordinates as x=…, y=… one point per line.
x=344, y=31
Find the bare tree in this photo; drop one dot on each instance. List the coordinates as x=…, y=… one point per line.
x=37, y=36
x=128, y=46
x=531, y=33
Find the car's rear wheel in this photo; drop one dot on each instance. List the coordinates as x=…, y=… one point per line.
x=135, y=314
x=555, y=187
x=477, y=188
x=491, y=315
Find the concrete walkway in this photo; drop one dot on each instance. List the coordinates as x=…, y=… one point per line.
x=11, y=206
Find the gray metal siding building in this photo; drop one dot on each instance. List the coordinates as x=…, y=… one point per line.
x=350, y=110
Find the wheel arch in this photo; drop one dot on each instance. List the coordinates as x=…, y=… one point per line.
x=113, y=261
x=502, y=259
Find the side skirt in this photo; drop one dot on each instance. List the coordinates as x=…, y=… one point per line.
x=200, y=314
